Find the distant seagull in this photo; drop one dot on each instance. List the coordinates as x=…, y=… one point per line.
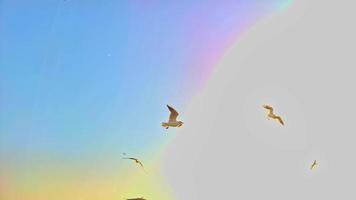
x=136, y=161
x=172, y=122
x=313, y=165
x=272, y=115
x=136, y=199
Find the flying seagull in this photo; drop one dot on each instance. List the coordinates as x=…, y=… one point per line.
x=313, y=165
x=172, y=122
x=272, y=115
x=136, y=161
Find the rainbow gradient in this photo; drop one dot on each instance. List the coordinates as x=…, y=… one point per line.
x=82, y=82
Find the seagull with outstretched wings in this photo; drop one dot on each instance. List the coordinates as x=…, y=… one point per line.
x=172, y=121
x=313, y=165
x=271, y=115
x=136, y=161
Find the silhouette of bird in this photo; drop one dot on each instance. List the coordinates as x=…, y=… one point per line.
x=272, y=115
x=172, y=122
x=136, y=161
x=136, y=199
x=313, y=165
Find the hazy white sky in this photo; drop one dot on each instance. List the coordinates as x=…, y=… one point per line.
x=302, y=62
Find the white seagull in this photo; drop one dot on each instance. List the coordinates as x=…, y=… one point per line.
x=172, y=122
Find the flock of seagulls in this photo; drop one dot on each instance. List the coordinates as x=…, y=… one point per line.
x=271, y=115
x=172, y=122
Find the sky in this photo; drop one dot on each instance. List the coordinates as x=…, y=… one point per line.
x=82, y=82
x=301, y=62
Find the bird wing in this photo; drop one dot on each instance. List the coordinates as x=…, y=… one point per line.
x=140, y=163
x=174, y=114
x=313, y=165
x=279, y=119
x=269, y=108
x=134, y=159
x=130, y=158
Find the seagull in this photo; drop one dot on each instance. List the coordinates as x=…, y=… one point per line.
x=172, y=122
x=272, y=115
x=313, y=165
x=136, y=161
x=136, y=199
